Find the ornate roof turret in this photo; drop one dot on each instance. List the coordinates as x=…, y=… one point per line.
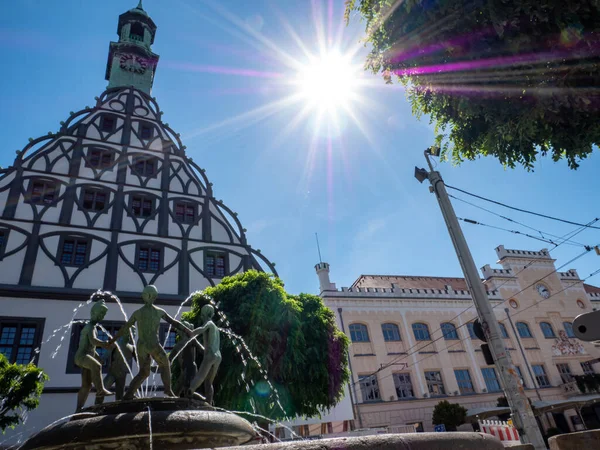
x=131, y=61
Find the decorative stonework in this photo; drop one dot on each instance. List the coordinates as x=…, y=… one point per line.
x=564, y=346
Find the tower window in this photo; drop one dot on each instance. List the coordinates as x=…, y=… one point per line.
x=215, y=265
x=74, y=251
x=145, y=166
x=142, y=206
x=42, y=192
x=19, y=338
x=149, y=258
x=107, y=123
x=185, y=212
x=146, y=131
x=94, y=199
x=136, y=32
x=99, y=158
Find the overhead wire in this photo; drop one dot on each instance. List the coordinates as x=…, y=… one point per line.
x=519, y=209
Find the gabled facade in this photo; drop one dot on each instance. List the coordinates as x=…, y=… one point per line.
x=110, y=201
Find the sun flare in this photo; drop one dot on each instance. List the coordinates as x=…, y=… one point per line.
x=328, y=82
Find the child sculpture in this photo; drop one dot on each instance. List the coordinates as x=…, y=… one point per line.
x=119, y=358
x=148, y=319
x=87, y=358
x=185, y=351
x=212, y=354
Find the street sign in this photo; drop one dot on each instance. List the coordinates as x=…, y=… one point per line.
x=439, y=428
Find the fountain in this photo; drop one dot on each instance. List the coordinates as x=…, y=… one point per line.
x=132, y=423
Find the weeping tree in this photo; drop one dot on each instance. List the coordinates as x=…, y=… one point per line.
x=284, y=358
x=20, y=389
x=513, y=79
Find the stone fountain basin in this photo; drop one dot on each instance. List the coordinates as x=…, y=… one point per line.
x=176, y=424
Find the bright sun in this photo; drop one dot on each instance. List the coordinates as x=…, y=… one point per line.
x=328, y=83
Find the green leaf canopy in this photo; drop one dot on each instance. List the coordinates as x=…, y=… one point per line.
x=298, y=350
x=513, y=79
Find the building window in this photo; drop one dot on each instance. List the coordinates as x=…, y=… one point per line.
x=185, y=212
x=19, y=338
x=358, y=332
x=94, y=199
x=587, y=368
x=136, y=32
x=168, y=342
x=523, y=330
x=547, y=330
x=465, y=384
x=435, y=385
x=471, y=328
x=421, y=332
x=149, y=258
x=43, y=192
x=391, y=332
x=503, y=331
x=540, y=375
x=569, y=329
x=74, y=251
x=403, y=385
x=449, y=331
x=145, y=166
x=99, y=158
x=369, y=388
x=565, y=372
x=107, y=123
x=491, y=379
x=215, y=264
x=518, y=369
x=146, y=131
x=142, y=206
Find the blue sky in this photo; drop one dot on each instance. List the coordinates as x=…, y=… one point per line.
x=353, y=186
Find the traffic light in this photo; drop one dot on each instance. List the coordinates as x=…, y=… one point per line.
x=487, y=354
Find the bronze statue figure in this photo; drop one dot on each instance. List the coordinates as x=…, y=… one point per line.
x=86, y=356
x=148, y=319
x=120, y=358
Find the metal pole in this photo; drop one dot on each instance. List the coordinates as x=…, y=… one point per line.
x=351, y=383
x=512, y=325
x=521, y=409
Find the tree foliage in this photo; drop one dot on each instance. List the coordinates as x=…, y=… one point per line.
x=452, y=415
x=20, y=390
x=508, y=78
x=294, y=339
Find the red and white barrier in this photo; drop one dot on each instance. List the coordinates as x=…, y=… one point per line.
x=502, y=430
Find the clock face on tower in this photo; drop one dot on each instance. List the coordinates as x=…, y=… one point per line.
x=133, y=63
x=542, y=290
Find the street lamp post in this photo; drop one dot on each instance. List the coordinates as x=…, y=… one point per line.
x=521, y=409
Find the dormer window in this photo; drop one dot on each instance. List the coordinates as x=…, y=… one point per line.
x=185, y=212
x=94, y=199
x=99, y=158
x=136, y=32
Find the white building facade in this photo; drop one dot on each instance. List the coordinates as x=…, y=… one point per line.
x=413, y=341
x=111, y=201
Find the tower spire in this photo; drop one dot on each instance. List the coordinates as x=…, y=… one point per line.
x=139, y=6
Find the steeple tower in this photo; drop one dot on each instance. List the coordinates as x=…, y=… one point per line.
x=131, y=61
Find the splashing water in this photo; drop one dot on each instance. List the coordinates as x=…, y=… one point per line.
x=150, y=426
x=75, y=310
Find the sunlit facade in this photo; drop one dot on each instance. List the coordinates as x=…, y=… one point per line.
x=413, y=345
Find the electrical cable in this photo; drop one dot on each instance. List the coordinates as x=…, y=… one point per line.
x=519, y=209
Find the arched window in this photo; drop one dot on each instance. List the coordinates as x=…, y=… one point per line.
x=421, y=332
x=471, y=328
x=523, y=330
x=391, y=332
x=136, y=32
x=547, y=330
x=569, y=329
x=359, y=332
x=503, y=331
x=449, y=331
